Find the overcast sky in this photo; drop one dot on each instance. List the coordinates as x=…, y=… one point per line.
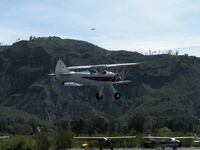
x=135, y=25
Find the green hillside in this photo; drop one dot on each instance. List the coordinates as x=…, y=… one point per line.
x=164, y=87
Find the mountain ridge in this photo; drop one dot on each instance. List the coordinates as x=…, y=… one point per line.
x=164, y=86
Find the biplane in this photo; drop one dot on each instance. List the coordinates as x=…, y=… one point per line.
x=93, y=75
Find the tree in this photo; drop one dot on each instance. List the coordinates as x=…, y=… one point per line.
x=165, y=131
x=77, y=126
x=137, y=122
x=96, y=125
x=63, y=139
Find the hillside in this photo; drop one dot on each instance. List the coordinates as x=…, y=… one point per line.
x=164, y=86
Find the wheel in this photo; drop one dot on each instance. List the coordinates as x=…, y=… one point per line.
x=117, y=95
x=98, y=96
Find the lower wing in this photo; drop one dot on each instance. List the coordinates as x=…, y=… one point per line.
x=122, y=82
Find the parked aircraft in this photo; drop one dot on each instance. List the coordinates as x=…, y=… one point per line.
x=101, y=141
x=96, y=76
x=174, y=142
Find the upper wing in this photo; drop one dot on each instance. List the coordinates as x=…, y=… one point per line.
x=157, y=137
x=184, y=137
x=104, y=138
x=102, y=66
x=121, y=137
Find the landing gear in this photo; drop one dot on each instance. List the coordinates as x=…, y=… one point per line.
x=117, y=95
x=99, y=96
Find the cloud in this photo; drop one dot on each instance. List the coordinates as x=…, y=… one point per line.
x=8, y=36
x=129, y=24
x=157, y=44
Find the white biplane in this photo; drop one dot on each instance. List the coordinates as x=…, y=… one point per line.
x=94, y=75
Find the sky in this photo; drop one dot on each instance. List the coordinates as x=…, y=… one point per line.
x=134, y=25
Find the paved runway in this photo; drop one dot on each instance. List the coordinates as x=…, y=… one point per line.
x=158, y=148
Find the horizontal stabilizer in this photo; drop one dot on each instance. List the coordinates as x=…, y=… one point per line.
x=51, y=74
x=72, y=84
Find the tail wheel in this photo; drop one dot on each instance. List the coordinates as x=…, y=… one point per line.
x=117, y=95
x=98, y=96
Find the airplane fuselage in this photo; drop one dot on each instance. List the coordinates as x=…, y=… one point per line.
x=89, y=78
x=170, y=143
x=174, y=143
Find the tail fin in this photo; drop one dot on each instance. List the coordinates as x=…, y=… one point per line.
x=196, y=137
x=61, y=68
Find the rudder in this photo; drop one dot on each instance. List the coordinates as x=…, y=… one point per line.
x=61, y=68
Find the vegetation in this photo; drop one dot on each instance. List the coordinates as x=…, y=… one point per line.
x=62, y=139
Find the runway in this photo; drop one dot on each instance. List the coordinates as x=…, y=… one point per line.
x=158, y=148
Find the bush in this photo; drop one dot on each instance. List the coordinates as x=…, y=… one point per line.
x=18, y=143
x=43, y=140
